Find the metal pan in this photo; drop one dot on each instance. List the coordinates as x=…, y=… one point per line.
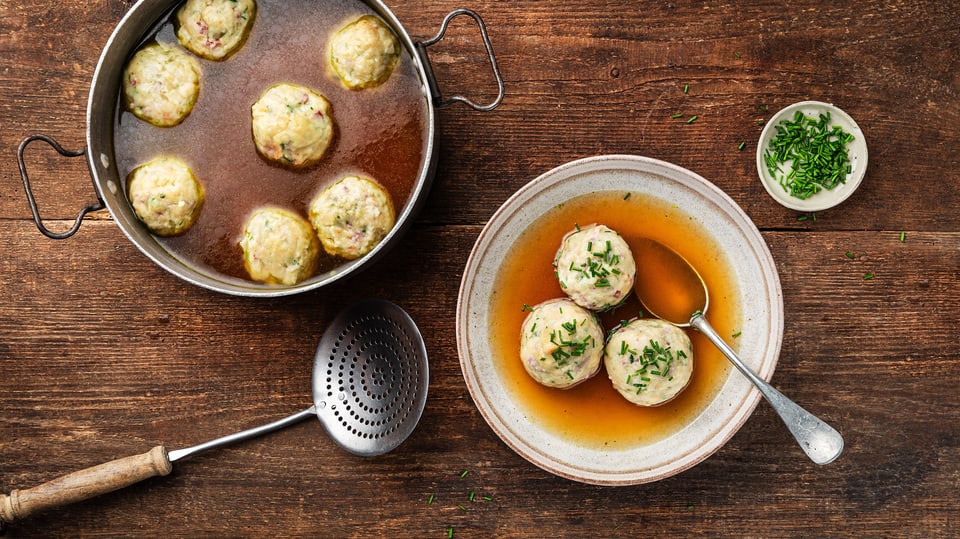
x=99, y=151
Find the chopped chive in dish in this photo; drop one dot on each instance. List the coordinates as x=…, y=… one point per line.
x=808, y=155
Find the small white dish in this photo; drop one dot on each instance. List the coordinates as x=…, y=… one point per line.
x=758, y=291
x=826, y=198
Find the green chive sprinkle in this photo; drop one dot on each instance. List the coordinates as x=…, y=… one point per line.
x=461, y=507
x=626, y=196
x=742, y=146
x=654, y=360
x=802, y=217
x=472, y=495
x=686, y=88
x=487, y=499
x=735, y=335
x=677, y=115
x=526, y=308
x=849, y=255
x=816, y=153
x=430, y=499
x=449, y=532
x=903, y=236
x=736, y=54
x=868, y=276
x=464, y=473
x=692, y=119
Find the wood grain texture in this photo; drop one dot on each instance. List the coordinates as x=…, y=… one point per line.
x=103, y=354
x=84, y=484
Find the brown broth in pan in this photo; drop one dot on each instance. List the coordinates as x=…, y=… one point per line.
x=380, y=132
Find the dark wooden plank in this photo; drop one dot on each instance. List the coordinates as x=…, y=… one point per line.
x=599, y=82
x=589, y=82
x=103, y=354
x=112, y=370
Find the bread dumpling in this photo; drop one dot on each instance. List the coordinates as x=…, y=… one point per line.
x=165, y=195
x=352, y=216
x=214, y=29
x=364, y=53
x=279, y=247
x=561, y=343
x=292, y=125
x=649, y=361
x=595, y=267
x=161, y=84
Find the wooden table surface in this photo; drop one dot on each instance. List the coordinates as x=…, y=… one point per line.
x=103, y=354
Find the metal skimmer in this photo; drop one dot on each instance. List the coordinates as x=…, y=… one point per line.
x=370, y=379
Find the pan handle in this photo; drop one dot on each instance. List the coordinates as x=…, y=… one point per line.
x=431, y=79
x=30, y=198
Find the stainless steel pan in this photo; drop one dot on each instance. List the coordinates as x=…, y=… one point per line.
x=99, y=151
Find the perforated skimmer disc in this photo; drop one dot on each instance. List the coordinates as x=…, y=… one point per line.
x=370, y=378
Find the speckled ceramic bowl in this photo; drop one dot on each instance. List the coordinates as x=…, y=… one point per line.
x=759, y=296
x=856, y=150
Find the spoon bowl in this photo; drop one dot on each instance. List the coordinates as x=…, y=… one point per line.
x=671, y=289
x=667, y=285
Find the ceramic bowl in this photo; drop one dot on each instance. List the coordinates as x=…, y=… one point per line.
x=759, y=295
x=826, y=198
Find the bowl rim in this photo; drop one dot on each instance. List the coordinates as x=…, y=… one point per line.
x=591, y=465
x=825, y=199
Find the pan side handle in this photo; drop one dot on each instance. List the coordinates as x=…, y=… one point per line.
x=32, y=201
x=431, y=79
x=84, y=484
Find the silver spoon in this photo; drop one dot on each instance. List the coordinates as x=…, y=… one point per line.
x=370, y=378
x=672, y=299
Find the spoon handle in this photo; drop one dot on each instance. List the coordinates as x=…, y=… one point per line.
x=821, y=442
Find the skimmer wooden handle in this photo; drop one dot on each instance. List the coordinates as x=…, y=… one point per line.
x=85, y=484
